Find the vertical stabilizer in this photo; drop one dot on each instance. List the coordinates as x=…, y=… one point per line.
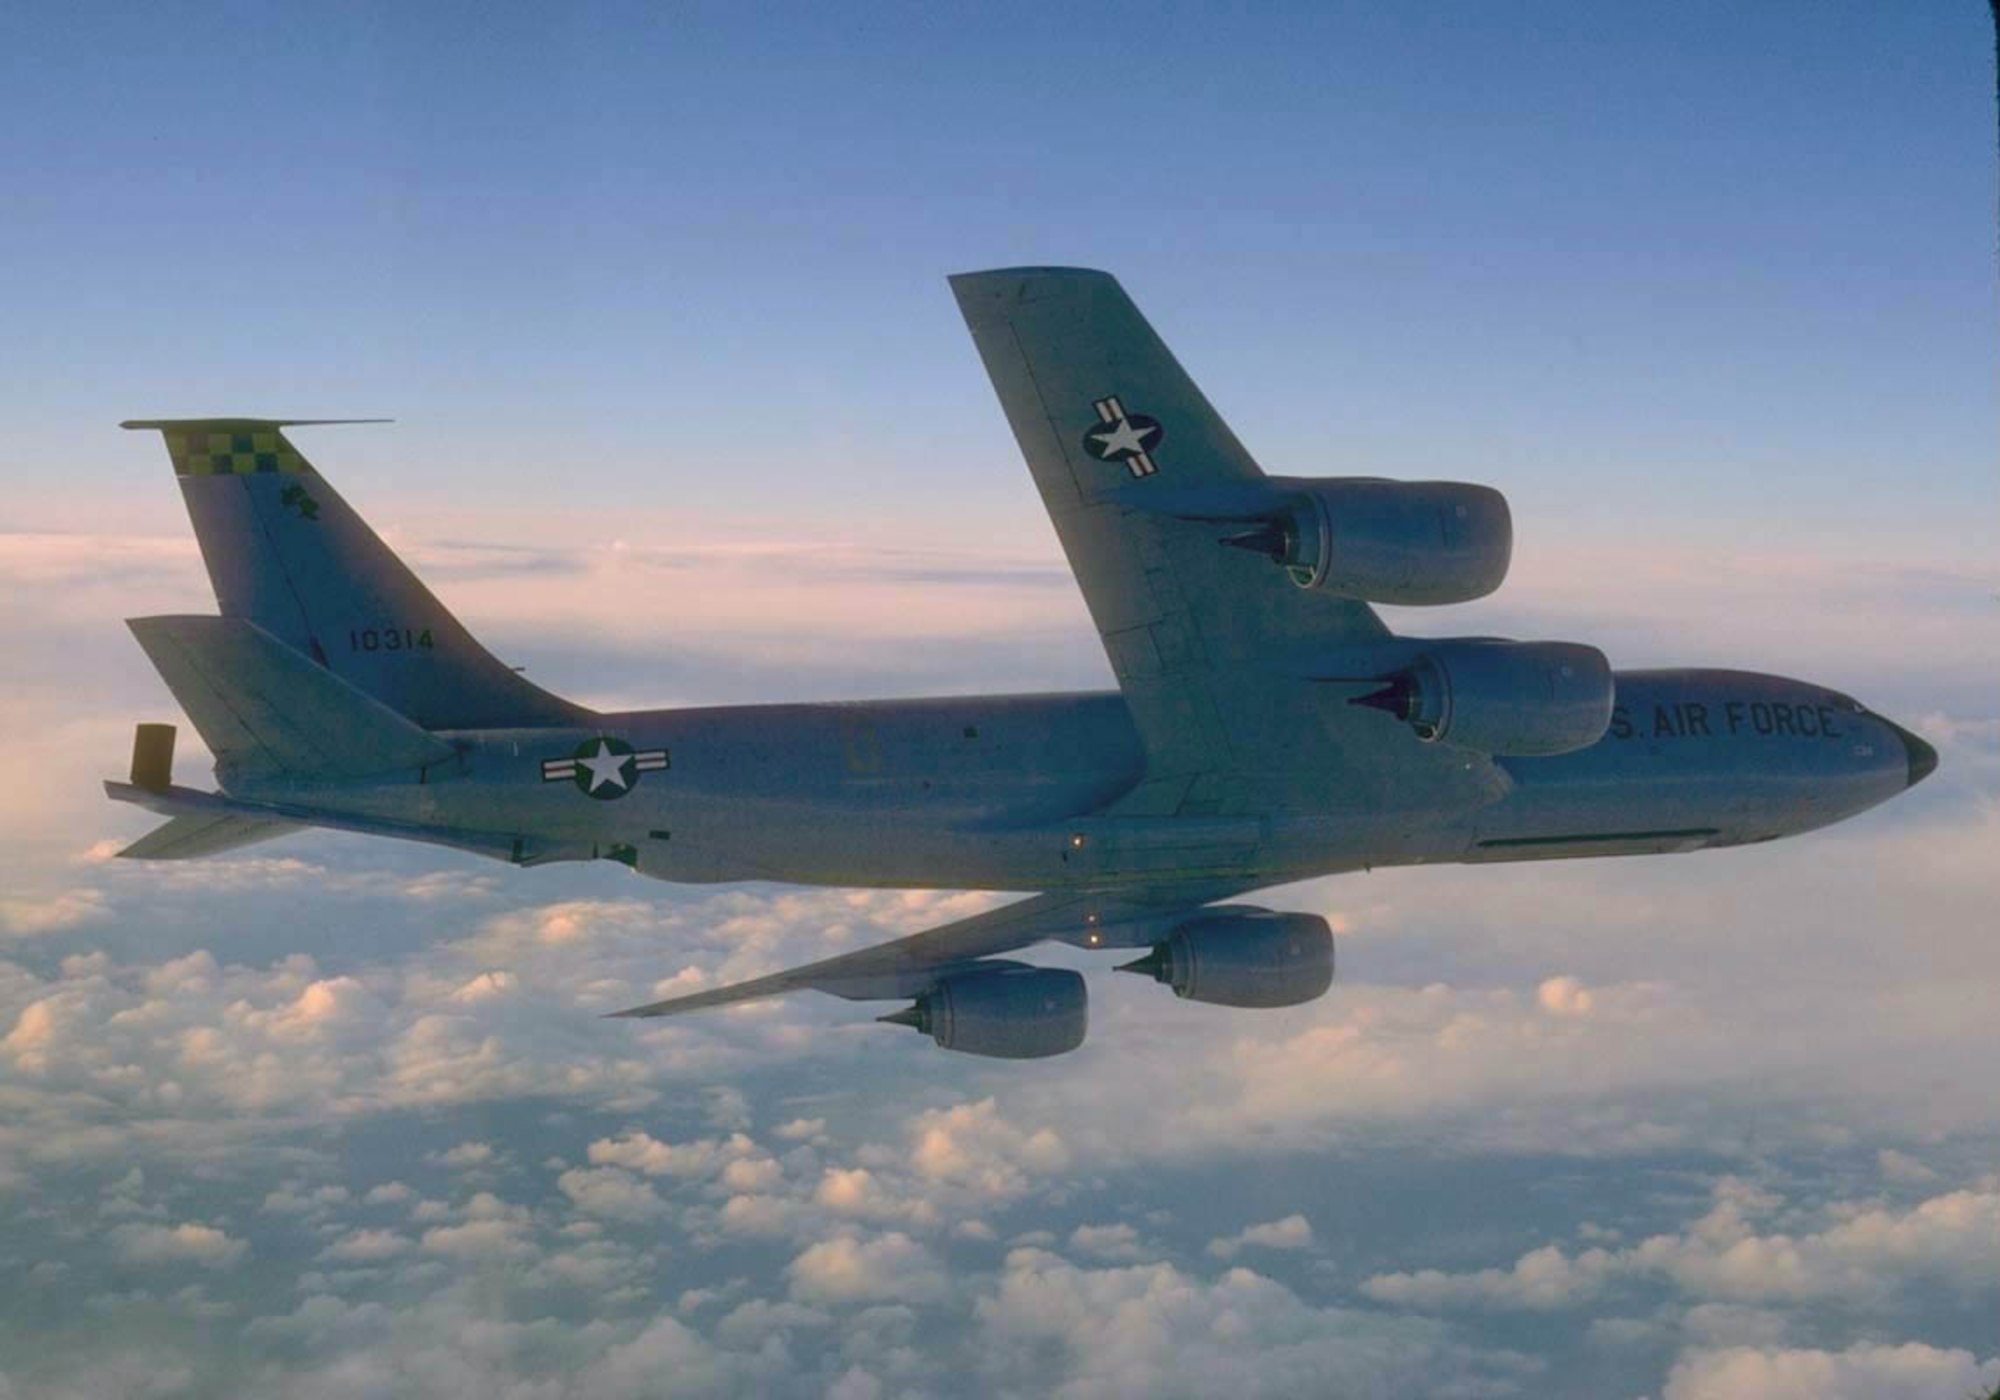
x=286, y=553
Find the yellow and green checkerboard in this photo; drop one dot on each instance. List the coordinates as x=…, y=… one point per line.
x=226, y=452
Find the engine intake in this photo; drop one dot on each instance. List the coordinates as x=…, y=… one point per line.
x=1519, y=699
x=1260, y=959
x=1006, y=1013
x=1417, y=543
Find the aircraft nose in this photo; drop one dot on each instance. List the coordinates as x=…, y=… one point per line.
x=1923, y=758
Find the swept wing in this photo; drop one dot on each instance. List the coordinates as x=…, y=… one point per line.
x=909, y=966
x=1104, y=414
x=1112, y=427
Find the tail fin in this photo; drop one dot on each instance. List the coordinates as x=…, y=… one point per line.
x=265, y=710
x=287, y=554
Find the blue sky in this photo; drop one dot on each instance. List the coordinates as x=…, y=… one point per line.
x=1691, y=262
x=686, y=415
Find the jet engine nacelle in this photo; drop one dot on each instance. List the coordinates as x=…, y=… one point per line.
x=1260, y=959
x=1417, y=543
x=1009, y=1012
x=1518, y=699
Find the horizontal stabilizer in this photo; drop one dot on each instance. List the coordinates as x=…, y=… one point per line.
x=208, y=834
x=193, y=805
x=264, y=708
x=241, y=424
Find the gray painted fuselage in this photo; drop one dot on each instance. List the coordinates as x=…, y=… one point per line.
x=999, y=792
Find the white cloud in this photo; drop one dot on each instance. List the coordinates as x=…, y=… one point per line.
x=1118, y=1241
x=603, y=1267
x=750, y=1324
x=974, y=1147
x=1542, y=1278
x=29, y=916
x=1952, y=1238
x=34, y=1031
x=633, y=1370
x=1902, y=1168
x=187, y=1243
x=753, y=1174
x=957, y=1161
x=1059, y=1328
x=486, y=987
x=855, y=1384
x=367, y=1247
x=1735, y=1325
x=761, y=1215
x=849, y=1269
x=1292, y=1232
x=492, y=1229
x=477, y=1239
x=484, y=1205
x=1564, y=996
x=611, y=1192
x=1862, y=1251
x=463, y=1156
x=296, y=1198
x=862, y=1194
x=641, y=1152
x=1911, y=1371
x=127, y=1375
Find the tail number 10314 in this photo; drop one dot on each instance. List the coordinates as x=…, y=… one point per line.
x=389, y=639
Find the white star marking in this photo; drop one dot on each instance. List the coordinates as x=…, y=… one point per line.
x=605, y=767
x=1124, y=438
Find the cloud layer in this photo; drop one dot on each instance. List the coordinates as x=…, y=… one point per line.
x=338, y=1116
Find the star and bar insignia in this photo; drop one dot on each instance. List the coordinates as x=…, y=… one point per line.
x=1123, y=437
x=605, y=768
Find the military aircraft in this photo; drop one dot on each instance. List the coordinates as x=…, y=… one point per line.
x=1267, y=725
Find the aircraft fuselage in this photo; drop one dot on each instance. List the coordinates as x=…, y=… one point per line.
x=1011, y=792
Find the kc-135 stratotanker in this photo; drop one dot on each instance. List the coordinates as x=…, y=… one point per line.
x=1267, y=725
